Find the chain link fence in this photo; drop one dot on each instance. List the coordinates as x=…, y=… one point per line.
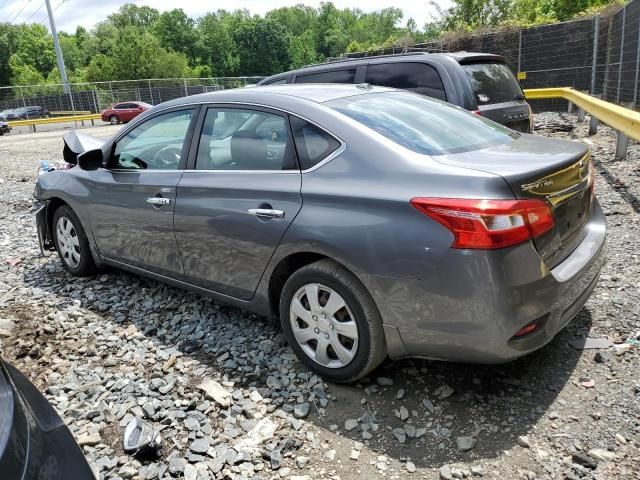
x=94, y=97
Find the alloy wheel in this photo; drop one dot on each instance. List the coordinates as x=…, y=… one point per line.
x=323, y=325
x=68, y=242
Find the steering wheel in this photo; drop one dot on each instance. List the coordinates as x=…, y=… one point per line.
x=167, y=157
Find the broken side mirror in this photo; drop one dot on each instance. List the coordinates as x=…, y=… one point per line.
x=90, y=160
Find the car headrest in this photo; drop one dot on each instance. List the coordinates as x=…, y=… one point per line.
x=248, y=151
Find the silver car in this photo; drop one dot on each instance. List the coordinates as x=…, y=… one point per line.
x=373, y=222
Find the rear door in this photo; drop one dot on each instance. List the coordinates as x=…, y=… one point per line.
x=498, y=94
x=238, y=197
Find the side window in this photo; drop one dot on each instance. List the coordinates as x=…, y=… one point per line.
x=312, y=143
x=332, y=76
x=243, y=139
x=415, y=77
x=156, y=144
x=120, y=106
x=282, y=81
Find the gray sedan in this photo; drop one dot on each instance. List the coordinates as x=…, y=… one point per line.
x=373, y=222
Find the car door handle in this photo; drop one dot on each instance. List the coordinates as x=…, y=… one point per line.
x=266, y=212
x=158, y=201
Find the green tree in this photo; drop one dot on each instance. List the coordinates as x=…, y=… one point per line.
x=176, y=31
x=131, y=15
x=297, y=20
x=8, y=46
x=302, y=50
x=138, y=54
x=35, y=47
x=100, y=69
x=215, y=46
x=262, y=47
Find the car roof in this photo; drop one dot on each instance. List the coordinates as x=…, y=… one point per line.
x=309, y=92
x=461, y=57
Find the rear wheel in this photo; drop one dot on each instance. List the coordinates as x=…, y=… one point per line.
x=113, y=119
x=71, y=243
x=331, y=322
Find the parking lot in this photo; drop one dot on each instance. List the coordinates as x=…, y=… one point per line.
x=106, y=348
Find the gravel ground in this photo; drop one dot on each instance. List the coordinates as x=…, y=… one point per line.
x=232, y=401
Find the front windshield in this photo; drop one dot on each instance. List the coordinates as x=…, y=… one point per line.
x=421, y=124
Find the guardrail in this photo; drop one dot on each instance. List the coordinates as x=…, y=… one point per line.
x=71, y=112
x=43, y=121
x=624, y=120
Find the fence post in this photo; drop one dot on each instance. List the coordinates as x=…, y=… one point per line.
x=24, y=104
x=150, y=92
x=111, y=90
x=581, y=113
x=624, y=25
x=594, y=58
x=186, y=91
x=593, y=123
x=605, y=87
x=635, y=83
x=622, y=143
x=519, y=49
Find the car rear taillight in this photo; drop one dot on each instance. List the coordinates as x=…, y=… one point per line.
x=488, y=224
x=476, y=112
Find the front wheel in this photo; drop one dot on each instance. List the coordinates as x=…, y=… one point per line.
x=331, y=322
x=113, y=120
x=71, y=243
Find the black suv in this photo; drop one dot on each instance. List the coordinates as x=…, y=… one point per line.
x=479, y=82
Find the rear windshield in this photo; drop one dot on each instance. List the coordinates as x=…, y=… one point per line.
x=492, y=83
x=424, y=125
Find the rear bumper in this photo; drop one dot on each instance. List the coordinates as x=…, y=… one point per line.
x=471, y=310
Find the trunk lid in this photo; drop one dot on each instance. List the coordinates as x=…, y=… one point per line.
x=557, y=171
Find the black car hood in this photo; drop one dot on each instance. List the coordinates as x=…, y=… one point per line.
x=76, y=143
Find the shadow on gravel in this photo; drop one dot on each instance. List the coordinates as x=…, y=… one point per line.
x=619, y=186
x=492, y=404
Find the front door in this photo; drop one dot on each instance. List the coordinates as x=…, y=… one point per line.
x=235, y=203
x=135, y=197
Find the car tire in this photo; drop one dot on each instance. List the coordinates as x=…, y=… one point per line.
x=114, y=120
x=71, y=243
x=324, y=331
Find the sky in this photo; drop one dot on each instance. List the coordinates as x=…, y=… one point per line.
x=69, y=14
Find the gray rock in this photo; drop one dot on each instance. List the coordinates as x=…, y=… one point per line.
x=200, y=445
x=350, y=424
x=384, y=381
x=445, y=473
x=523, y=441
x=216, y=392
x=465, y=443
x=400, y=434
x=301, y=410
x=411, y=467
x=176, y=465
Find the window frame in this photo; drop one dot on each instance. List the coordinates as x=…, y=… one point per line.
x=197, y=133
x=193, y=152
x=109, y=149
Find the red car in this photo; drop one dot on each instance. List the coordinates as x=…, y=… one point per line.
x=124, y=111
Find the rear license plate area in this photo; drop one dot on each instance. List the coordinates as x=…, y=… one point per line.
x=572, y=214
